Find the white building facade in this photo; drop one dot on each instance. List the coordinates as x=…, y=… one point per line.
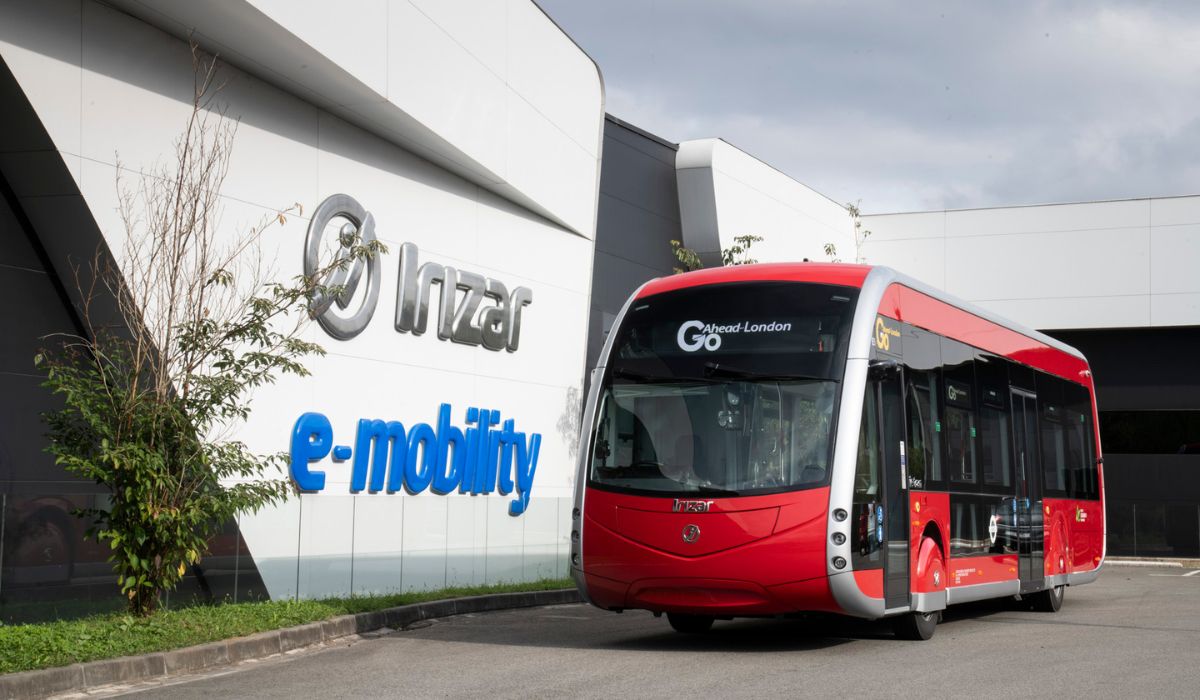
x=469, y=132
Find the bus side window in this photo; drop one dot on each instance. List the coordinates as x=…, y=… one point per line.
x=958, y=425
x=924, y=462
x=867, y=495
x=1053, y=437
x=1083, y=483
x=995, y=444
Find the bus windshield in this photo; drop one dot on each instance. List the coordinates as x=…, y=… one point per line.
x=724, y=390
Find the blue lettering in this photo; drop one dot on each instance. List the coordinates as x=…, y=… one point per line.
x=480, y=483
x=492, y=456
x=312, y=438
x=418, y=473
x=527, y=457
x=374, y=441
x=449, y=473
x=467, y=482
x=478, y=459
x=504, y=484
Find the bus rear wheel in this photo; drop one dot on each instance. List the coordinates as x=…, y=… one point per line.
x=916, y=626
x=690, y=624
x=1049, y=600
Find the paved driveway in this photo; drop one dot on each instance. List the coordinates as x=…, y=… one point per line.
x=1134, y=633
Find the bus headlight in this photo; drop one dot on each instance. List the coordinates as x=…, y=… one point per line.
x=839, y=538
x=840, y=515
x=839, y=562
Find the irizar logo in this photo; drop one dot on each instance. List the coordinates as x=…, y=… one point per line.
x=694, y=335
x=442, y=458
x=472, y=309
x=358, y=224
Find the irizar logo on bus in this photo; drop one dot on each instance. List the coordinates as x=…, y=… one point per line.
x=682, y=506
x=694, y=335
x=442, y=457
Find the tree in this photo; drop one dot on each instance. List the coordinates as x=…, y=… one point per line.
x=736, y=254
x=860, y=234
x=149, y=401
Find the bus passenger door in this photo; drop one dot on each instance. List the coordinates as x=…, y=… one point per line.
x=1028, y=502
x=893, y=520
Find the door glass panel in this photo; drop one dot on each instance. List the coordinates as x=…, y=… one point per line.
x=924, y=460
x=864, y=536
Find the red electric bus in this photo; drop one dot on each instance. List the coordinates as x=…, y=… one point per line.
x=772, y=439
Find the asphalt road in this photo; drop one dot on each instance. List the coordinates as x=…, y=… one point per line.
x=1134, y=633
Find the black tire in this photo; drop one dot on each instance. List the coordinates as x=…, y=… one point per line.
x=690, y=624
x=916, y=626
x=1049, y=600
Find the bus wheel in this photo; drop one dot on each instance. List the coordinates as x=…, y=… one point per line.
x=916, y=626
x=690, y=624
x=1049, y=600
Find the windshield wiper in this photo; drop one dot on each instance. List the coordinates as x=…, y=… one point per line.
x=718, y=369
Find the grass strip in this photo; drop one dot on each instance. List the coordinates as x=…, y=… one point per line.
x=44, y=645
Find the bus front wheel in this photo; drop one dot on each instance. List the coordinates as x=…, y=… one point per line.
x=690, y=624
x=916, y=626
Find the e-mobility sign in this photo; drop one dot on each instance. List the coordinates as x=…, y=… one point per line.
x=442, y=458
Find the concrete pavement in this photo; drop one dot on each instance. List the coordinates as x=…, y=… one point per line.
x=1135, y=632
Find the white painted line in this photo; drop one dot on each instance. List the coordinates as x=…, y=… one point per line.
x=1170, y=575
x=1139, y=562
x=1192, y=573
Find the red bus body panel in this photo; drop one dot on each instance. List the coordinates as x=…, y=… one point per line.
x=762, y=554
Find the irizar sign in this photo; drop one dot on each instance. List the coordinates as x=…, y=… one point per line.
x=472, y=309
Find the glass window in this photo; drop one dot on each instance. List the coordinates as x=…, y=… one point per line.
x=724, y=389
x=958, y=409
x=865, y=539
x=924, y=462
x=1149, y=432
x=960, y=445
x=994, y=447
x=1054, y=460
x=771, y=329
x=724, y=437
x=995, y=444
x=1052, y=434
x=1080, y=443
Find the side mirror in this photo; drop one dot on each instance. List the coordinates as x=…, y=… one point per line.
x=883, y=369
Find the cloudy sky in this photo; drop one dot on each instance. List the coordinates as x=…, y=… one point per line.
x=912, y=105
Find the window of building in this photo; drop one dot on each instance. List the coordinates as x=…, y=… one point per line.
x=1150, y=432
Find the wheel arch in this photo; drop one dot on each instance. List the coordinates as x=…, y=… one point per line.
x=934, y=532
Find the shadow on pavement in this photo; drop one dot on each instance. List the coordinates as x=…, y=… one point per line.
x=579, y=627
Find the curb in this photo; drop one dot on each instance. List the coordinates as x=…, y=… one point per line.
x=128, y=669
x=1151, y=561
